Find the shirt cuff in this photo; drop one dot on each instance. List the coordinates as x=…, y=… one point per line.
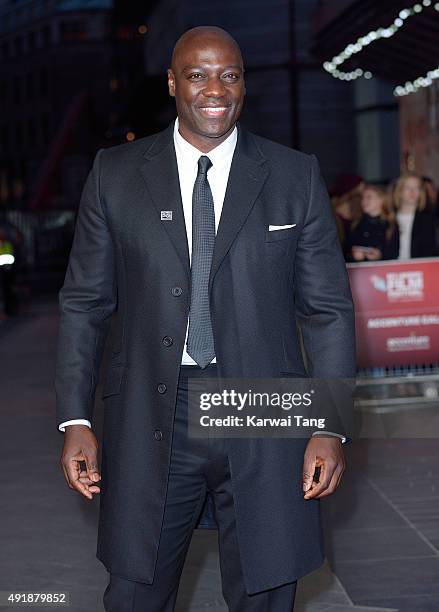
x=63, y=425
x=330, y=433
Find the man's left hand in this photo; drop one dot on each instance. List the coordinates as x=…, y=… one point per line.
x=326, y=453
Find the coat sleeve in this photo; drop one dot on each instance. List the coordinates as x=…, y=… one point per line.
x=86, y=301
x=323, y=300
x=325, y=311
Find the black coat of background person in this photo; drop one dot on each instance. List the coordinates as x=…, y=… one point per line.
x=423, y=243
x=371, y=232
x=125, y=258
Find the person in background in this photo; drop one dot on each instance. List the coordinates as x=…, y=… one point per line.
x=346, y=202
x=8, y=299
x=432, y=193
x=415, y=221
x=375, y=234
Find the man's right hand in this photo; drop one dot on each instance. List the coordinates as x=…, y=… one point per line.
x=80, y=444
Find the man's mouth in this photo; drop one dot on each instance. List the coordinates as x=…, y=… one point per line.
x=214, y=111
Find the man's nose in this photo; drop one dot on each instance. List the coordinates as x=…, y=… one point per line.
x=214, y=88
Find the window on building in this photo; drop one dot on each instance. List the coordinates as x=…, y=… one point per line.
x=5, y=138
x=30, y=86
x=31, y=132
x=31, y=44
x=72, y=31
x=6, y=50
x=46, y=36
x=4, y=92
x=18, y=46
x=18, y=136
x=44, y=82
x=45, y=134
x=16, y=89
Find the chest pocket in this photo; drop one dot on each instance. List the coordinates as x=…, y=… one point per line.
x=281, y=234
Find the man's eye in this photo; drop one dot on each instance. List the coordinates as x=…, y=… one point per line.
x=195, y=74
x=231, y=75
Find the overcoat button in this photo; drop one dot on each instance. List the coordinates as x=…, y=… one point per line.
x=161, y=388
x=167, y=341
x=158, y=434
x=176, y=291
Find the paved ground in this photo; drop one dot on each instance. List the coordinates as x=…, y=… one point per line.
x=382, y=525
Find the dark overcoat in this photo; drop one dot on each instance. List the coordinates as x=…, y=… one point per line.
x=126, y=260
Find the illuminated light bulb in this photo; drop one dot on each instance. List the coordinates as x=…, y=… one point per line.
x=398, y=22
x=404, y=14
x=367, y=75
x=417, y=8
x=130, y=136
x=142, y=29
x=426, y=2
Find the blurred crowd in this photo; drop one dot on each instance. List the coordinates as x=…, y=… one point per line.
x=395, y=221
x=375, y=222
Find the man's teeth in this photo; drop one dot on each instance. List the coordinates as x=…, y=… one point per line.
x=217, y=109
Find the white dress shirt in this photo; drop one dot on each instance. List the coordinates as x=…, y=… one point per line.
x=218, y=176
x=405, y=225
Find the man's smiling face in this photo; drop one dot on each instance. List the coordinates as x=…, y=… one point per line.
x=207, y=81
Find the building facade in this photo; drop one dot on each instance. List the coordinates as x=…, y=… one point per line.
x=60, y=91
x=290, y=99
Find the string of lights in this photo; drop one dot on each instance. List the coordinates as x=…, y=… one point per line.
x=333, y=66
x=419, y=83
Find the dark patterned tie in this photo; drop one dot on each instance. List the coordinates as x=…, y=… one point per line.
x=200, y=337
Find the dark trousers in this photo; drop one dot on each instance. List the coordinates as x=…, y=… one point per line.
x=197, y=466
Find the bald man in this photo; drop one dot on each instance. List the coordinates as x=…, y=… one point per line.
x=210, y=244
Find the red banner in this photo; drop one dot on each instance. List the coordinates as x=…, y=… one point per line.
x=397, y=312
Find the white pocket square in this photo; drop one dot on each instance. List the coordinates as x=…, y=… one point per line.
x=280, y=227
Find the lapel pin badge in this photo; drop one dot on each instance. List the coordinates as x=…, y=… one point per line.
x=166, y=215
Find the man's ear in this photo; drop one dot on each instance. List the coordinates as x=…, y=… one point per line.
x=171, y=83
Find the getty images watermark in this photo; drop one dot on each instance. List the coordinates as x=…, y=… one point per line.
x=269, y=407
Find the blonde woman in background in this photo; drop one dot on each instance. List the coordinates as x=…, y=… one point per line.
x=346, y=202
x=375, y=234
x=415, y=221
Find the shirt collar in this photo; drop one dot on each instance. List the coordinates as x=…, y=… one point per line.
x=219, y=156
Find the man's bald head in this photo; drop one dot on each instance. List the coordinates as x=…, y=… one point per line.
x=202, y=35
x=206, y=79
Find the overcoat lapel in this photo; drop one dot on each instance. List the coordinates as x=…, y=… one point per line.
x=160, y=173
x=248, y=173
